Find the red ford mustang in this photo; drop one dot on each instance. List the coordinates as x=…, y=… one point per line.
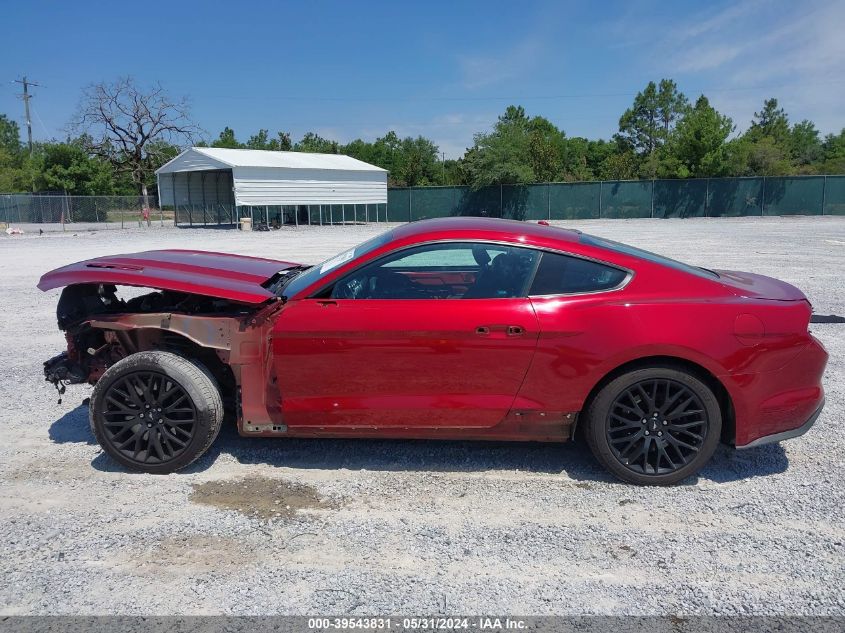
x=451, y=328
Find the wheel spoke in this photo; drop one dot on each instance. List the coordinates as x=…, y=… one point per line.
x=677, y=411
x=179, y=400
x=645, y=396
x=172, y=438
x=661, y=449
x=624, y=423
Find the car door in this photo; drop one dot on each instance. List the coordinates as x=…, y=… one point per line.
x=426, y=337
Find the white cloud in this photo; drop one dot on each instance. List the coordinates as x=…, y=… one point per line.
x=756, y=49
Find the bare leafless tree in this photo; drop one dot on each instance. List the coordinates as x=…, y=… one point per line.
x=131, y=126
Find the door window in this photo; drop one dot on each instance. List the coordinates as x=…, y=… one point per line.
x=443, y=271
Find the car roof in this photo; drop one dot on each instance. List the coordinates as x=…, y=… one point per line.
x=491, y=228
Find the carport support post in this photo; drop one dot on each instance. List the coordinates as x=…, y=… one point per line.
x=175, y=205
x=367, y=212
x=549, y=200
x=202, y=186
x=706, y=197
x=343, y=214
x=190, y=203
x=763, y=197
x=321, y=215
x=217, y=195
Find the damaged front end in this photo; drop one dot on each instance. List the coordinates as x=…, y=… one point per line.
x=228, y=338
x=88, y=351
x=61, y=371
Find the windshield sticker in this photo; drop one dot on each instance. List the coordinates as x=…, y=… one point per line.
x=334, y=262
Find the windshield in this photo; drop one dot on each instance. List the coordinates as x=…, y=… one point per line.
x=618, y=247
x=313, y=274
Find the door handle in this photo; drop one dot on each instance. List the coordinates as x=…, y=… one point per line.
x=515, y=330
x=326, y=303
x=482, y=330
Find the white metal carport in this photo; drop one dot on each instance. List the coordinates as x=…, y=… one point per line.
x=212, y=185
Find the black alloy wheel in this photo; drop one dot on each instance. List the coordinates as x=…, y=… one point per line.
x=148, y=417
x=656, y=426
x=156, y=411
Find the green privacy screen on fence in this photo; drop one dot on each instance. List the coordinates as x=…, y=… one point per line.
x=704, y=197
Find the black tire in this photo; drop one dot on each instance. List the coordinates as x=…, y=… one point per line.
x=636, y=429
x=156, y=412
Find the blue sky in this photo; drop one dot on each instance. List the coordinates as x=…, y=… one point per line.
x=441, y=69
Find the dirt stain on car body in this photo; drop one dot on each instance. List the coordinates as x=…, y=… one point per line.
x=261, y=497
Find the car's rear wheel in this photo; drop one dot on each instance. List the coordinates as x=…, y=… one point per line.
x=156, y=412
x=654, y=426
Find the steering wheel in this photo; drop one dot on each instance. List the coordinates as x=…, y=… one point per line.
x=348, y=289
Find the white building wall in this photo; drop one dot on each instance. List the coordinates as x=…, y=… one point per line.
x=258, y=186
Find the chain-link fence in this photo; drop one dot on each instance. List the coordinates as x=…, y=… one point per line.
x=105, y=212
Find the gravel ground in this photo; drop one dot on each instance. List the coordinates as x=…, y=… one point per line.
x=360, y=526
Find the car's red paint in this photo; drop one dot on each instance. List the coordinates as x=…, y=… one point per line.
x=222, y=275
x=402, y=363
x=452, y=368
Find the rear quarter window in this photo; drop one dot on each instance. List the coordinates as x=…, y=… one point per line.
x=562, y=274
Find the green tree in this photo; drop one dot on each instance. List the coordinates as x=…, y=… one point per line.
x=699, y=141
x=771, y=122
x=13, y=176
x=805, y=145
x=313, y=142
x=621, y=165
x=518, y=150
x=10, y=136
x=68, y=167
x=833, y=153
x=762, y=157
x=646, y=125
x=227, y=139
x=417, y=163
x=263, y=141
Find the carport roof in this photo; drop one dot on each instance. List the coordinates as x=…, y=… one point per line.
x=222, y=158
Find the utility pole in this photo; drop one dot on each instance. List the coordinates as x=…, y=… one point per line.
x=26, y=97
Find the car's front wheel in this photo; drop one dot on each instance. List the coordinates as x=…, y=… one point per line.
x=654, y=426
x=156, y=412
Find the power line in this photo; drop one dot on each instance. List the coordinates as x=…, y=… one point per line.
x=26, y=97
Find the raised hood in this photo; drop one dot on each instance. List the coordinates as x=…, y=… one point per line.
x=233, y=277
x=760, y=286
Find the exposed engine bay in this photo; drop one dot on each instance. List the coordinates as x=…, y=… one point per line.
x=101, y=328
